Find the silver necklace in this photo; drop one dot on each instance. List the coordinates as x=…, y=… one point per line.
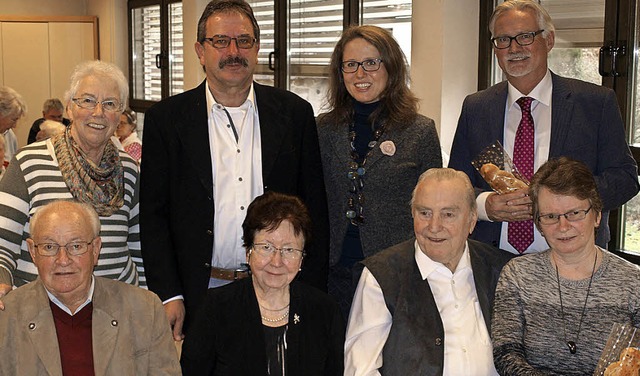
x=277, y=319
x=572, y=344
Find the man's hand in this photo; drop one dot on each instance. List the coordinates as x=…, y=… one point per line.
x=175, y=313
x=4, y=290
x=509, y=207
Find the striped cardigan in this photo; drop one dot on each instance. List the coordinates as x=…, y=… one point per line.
x=32, y=180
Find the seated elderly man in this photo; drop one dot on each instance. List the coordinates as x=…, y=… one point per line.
x=68, y=322
x=423, y=307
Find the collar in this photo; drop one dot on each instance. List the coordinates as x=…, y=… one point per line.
x=428, y=266
x=63, y=307
x=211, y=101
x=541, y=93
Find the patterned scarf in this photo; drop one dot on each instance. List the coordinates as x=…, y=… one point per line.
x=101, y=186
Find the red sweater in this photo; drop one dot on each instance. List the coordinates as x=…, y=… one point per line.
x=74, y=340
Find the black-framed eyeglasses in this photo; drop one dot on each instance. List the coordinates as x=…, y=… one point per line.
x=223, y=41
x=267, y=250
x=523, y=39
x=369, y=65
x=88, y=103
x=52, y=249
x=571, y=216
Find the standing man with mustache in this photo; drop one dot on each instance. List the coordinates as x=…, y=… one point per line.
x=538, y=115
x=208, y=153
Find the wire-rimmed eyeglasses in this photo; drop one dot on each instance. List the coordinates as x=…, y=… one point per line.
x=267, y=250
x=369, y=65
x=223, y=41
x=73, y=249
x=523, y=39
x=88, y=103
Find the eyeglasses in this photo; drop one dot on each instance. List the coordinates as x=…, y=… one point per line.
x=523, y=39
x=369, y=65
x=571, y=216
x=88, y=103
x=267, y=250
x=52, y=249
x=223, y=41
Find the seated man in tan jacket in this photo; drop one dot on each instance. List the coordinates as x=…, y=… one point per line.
x=70, y=322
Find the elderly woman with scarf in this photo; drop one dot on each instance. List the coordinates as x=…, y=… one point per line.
x=80, y=164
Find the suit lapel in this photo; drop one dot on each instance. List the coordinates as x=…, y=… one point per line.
x=561, y=110
x=193, y=130
x=38, y=322
x=272, y=127
x=339, y=143
x=104, y=329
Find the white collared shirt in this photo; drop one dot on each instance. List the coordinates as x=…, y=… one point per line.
x=467, y=345
x=541, y=112
x=63, y=307
x=237, y=175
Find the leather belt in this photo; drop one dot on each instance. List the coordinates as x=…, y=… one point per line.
x=229, y=274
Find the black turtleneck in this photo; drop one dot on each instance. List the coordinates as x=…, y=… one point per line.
x=351, y=246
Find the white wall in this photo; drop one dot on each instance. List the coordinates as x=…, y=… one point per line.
x=444, y=61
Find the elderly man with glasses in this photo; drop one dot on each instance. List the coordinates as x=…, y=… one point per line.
x=70, y=322
x=208, y=153
x=538, y=115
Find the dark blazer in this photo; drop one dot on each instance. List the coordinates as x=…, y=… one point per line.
x=416, y=341
x=176, y=193
x=228, y=336
x=389, y=181
x=585, y=125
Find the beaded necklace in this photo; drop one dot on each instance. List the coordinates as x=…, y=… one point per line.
x=356, y=173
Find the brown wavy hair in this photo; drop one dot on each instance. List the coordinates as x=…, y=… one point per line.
x=398, y=106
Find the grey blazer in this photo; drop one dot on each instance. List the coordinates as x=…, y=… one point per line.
x=388, y=182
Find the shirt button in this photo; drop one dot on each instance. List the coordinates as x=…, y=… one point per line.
x=228, y=125
x=239, y=179
x=238, y=150
x=453, y=282
x=209, y=232
x=242, y=208
x=438, y=341
x=464, y=350
x=456, y=306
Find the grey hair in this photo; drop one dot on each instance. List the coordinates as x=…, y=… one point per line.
x=226, y=6
x=52, y=104
x=440, y=174
x=544, y=19
x=11, y=103
x=62, y=206
x=50, y=128
x=101, y=69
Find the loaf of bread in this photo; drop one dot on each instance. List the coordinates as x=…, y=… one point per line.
x=629, y=364
x=500, y=181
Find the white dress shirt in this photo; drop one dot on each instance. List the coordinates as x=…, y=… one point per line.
x=63, y=307
x=237, y=175
x=541, y=112
x=467, y=345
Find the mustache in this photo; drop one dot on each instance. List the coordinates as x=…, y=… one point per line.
x=518, y=56
x=233, y=60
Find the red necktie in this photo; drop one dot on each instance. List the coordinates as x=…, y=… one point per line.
x=520, y=234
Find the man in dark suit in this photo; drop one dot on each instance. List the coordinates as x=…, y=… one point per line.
x=429, y=296
x=571, y=118
x=213, y=149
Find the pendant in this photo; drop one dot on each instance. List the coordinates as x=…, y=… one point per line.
x=572, y=346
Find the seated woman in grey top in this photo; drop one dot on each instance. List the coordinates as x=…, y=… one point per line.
x=554, y=310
